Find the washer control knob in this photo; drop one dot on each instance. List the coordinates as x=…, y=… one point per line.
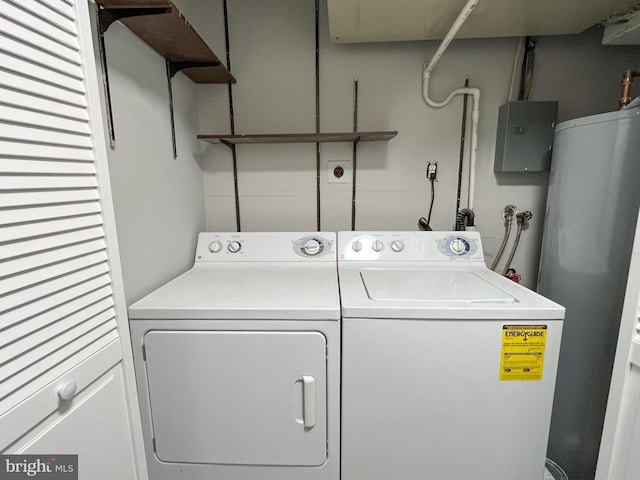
x=397, y=246
x=312, y=247
x=234, y=247
x=377, y=245
x=457, y=246
x=215, y=247
x=357, y=246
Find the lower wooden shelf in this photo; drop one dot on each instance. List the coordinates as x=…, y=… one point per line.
x=300, y=137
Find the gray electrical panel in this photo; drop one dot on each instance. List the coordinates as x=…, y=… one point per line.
x=525, y=136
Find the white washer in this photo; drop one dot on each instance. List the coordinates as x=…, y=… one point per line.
x=438, y=382
x=238, y=361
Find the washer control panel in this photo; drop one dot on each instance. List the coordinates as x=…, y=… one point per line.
x=266, y=247
x=458, y=246
x=410, y=246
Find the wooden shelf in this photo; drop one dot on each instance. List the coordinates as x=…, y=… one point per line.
x=160, y=24
x=300, y=138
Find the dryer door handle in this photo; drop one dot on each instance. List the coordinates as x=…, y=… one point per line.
x=309, y=396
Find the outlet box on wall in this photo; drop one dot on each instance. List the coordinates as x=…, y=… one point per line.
x=339, y=171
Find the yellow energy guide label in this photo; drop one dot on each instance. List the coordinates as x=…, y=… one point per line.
x=522, y=352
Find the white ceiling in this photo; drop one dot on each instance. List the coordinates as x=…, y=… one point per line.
x=394, y=20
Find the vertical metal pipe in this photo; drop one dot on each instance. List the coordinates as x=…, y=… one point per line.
x=627, y=78
x=171, y=114
x=232, y=120
x=463, y=135
x=318, y=211
x=354, y=154
x=105, y=79
x=526, y=76
x=625, y=96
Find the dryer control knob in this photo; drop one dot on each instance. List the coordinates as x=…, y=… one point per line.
x=397, y=246
x=215, y=247
x=357, y=246
x=377, y=246
x=234, y=247
x=312, y=247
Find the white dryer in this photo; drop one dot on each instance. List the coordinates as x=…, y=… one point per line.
x=238, y=361
x=448, y=369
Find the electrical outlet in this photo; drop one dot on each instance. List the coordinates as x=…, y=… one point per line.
x=432, y=171
x=339, y=171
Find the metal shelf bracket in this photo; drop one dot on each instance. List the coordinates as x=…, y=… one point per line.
x=176, y=66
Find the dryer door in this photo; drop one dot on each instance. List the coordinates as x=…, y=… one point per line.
x=244, y=398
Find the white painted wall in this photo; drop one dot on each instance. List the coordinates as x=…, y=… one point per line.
x=158, y=200
x=272, y=56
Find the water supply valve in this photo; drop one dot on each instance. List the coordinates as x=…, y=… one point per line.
x=513, y=275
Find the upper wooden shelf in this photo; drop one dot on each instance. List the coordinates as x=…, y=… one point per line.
x=160, y=24
x=299, y=137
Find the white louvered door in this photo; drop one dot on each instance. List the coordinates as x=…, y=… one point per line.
x=62, y=316
x=619, y=457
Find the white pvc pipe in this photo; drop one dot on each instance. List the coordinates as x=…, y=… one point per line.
x=473, y=159
x=474, y=92
x=466, y=11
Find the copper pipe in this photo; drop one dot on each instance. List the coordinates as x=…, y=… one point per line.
x=627, y=78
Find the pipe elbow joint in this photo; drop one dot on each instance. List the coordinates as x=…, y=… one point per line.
x=431, y=103
x=475, y=92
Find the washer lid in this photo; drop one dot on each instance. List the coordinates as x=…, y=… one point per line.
x=431, y=286
x=398, y=292
x=251, y=290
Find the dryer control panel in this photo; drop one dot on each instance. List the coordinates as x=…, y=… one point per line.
x=266, y=247
x=410, y=246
